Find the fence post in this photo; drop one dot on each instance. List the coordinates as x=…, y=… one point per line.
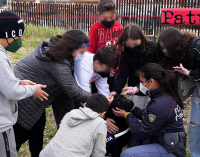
x=154, y=14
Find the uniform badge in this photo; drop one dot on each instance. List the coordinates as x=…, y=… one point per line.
x=152, y=118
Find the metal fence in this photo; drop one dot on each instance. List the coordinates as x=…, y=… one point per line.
x=66, y=16
x=146, y=13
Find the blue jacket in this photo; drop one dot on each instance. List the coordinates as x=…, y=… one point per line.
x=162, y=115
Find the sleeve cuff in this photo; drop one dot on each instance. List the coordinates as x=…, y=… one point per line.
x=127, y=114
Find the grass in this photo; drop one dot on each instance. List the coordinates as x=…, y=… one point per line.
x=32, y=37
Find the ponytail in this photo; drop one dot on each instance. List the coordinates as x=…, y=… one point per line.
x=55, y=39
x=166, y=79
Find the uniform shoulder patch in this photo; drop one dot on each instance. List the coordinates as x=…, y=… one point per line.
x=152, y=118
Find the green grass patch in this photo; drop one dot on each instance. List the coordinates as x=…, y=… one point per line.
x=34, y=35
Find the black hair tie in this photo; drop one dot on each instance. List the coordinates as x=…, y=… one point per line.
x=163, y=72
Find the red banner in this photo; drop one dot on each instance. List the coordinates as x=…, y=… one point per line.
x=180, y=16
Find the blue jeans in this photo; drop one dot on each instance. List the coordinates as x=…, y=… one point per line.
x=194, y=124
x=154, y=150
x=134, y=141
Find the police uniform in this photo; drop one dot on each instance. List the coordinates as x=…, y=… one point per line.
x=162, y=115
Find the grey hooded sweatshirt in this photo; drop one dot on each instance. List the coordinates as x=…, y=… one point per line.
x=10, y=92
x=82, y=133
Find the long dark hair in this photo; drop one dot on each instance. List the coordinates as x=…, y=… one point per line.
x=63, y=46
x=176, y=42
x=166, y=79
x=134, y=32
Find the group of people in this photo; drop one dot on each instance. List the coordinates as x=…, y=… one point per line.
x=79, y=76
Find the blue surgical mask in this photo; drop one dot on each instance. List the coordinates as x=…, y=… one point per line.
x=78, y=58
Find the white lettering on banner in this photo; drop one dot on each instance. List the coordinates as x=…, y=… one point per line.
x=13, y=33
x=179, y=112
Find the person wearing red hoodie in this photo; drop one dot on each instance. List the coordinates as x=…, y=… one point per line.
x=105, y=32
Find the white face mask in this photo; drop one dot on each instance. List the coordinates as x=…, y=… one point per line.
x=144, y=89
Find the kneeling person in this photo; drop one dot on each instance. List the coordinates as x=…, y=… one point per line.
x=82, y=131
x=96, y=68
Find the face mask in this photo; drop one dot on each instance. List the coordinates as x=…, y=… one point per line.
x=108, y=24
x=144, y=89
x=15, y=45
x=104, y=73
x=133, y=49
x=78, y=58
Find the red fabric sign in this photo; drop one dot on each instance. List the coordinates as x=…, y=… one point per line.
x=180, y=16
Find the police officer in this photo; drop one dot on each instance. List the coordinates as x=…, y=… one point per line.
x=161, y=119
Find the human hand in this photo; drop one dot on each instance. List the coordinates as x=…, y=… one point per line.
x=112, y=128
x=130, y=90
x=40, y=93
x=119, y=112
x=110, y=99
x=26, y=82
x=112, y=94
x=112, y=73
x=183, y=70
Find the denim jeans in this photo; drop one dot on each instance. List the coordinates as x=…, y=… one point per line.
x=154, y=150
x=194, y=124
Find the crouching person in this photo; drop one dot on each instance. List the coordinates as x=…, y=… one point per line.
x=82, y=131
x=162, y=119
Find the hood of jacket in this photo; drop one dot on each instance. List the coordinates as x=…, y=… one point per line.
x=40, y=51
x=80, y=115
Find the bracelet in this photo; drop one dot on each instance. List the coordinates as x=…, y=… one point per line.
x=127, y=114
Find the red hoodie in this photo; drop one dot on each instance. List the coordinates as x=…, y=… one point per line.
x=100, y=35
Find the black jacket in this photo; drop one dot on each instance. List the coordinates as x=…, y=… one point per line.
x=129, y=65
x=58, y=77
x=193, y=58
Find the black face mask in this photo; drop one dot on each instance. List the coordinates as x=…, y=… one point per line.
x=132, y=49
x=104, y=73
x=108, y=24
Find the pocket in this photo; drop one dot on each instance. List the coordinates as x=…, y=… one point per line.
x=173, y=142
x=15, y=114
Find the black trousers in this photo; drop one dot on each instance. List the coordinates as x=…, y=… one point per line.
x=62, y=105
x=34, y=136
